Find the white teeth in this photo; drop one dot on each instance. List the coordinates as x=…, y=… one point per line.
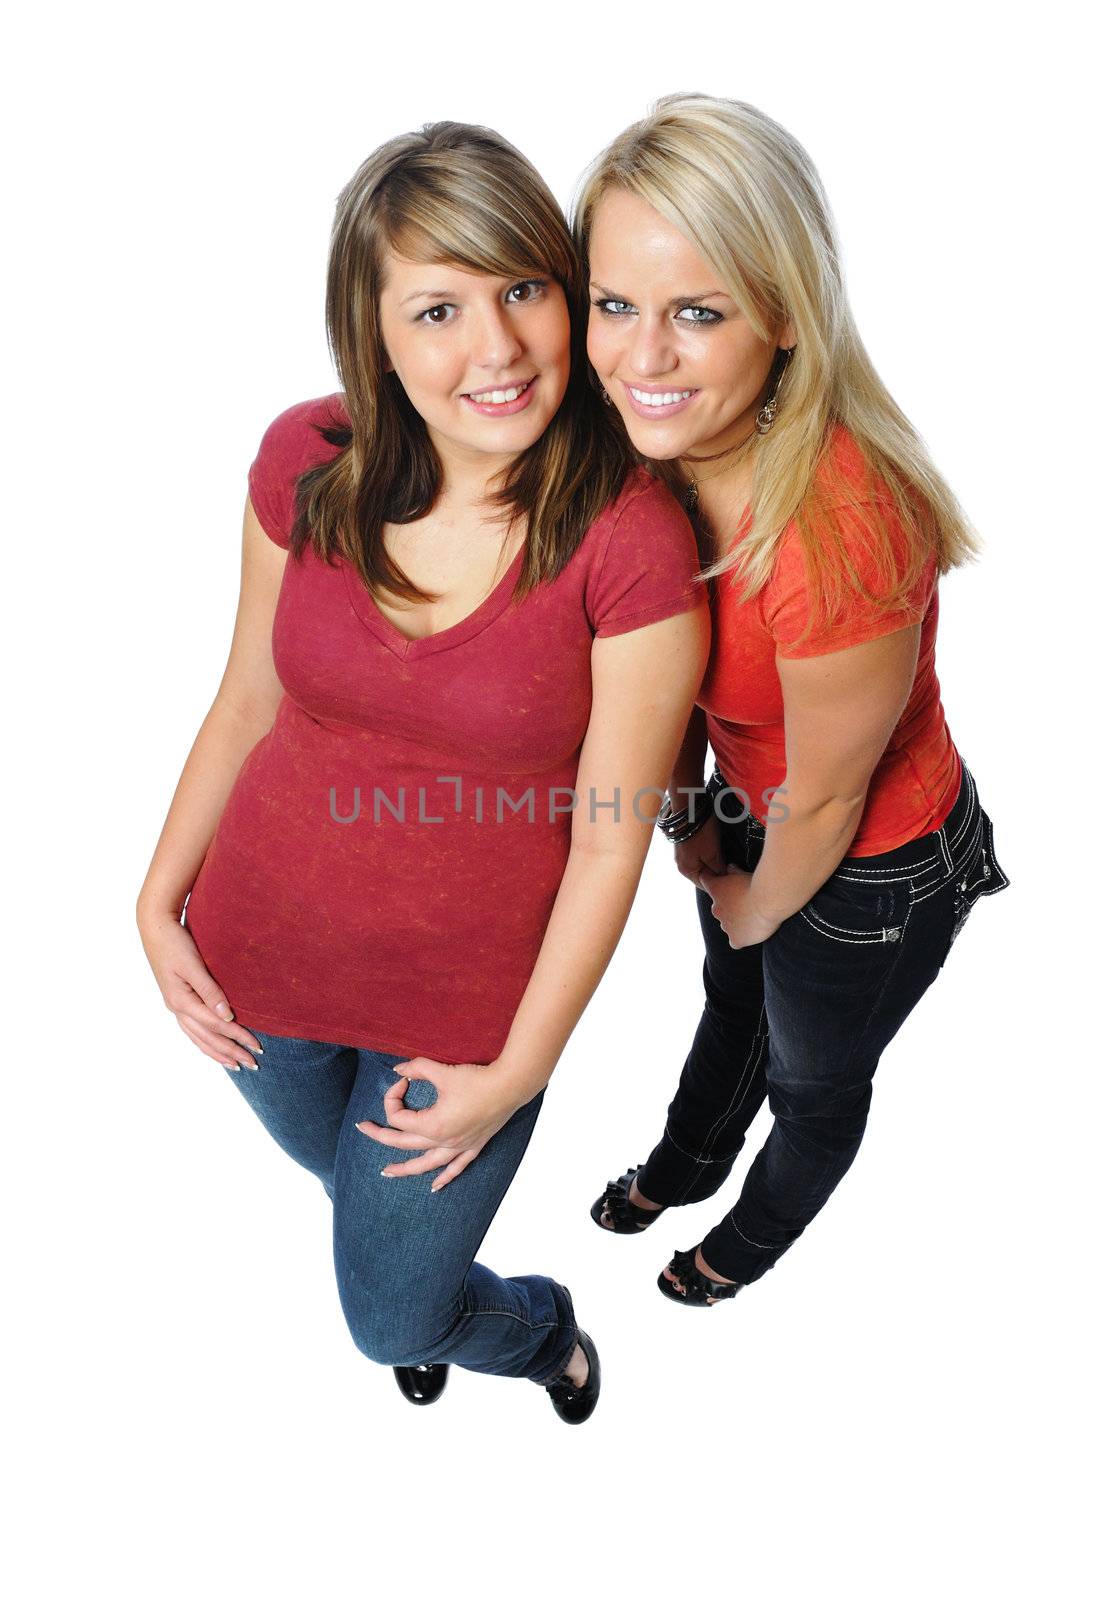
x=645, y=399
x=500, y=397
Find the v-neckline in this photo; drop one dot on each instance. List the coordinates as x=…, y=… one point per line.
x=369, y=613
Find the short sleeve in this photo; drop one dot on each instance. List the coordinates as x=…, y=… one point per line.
x=647, y=566
x=290, y=446
x=787, y=600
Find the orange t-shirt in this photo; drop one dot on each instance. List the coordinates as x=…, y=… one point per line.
x=918, y=776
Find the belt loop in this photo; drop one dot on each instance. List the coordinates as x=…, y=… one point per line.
x=943, y=848
x=961, y=808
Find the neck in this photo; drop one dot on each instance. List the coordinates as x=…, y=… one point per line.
x=469, y=478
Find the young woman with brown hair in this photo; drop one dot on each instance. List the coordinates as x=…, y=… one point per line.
x=465, y=627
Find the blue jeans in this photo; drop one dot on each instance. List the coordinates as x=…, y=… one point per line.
x=803, y=1019
x=409, y=1285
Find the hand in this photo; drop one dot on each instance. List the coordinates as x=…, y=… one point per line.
x=192, y=993
x=703, y=852
x=731, y=894
x=472, y=1104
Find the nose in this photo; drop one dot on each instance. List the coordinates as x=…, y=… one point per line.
x=651, y=353
x=497, y=342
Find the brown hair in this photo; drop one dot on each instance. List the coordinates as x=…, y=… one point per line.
x=460, y=195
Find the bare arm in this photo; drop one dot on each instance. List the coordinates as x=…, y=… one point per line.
x=240, y=715
x=644, y=684
x=840, y=711
x=689, y=769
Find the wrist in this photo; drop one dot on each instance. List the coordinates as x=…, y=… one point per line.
x=767, y=918
x=150, y=910
x=521, y=1078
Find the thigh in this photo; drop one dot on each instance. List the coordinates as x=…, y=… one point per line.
x=841, y=975
x=300, y=1094
x=403, y=1243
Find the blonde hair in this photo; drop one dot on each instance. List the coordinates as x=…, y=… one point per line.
x=462, y=195
x=745, y=193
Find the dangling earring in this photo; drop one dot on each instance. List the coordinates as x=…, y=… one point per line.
x=597, y=384
x=769, y=410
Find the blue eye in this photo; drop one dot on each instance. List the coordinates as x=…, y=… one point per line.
x=702, y=315
x=614, y=308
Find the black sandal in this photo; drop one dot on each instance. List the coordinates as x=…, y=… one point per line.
x=626, y=1216
x=694, y=1288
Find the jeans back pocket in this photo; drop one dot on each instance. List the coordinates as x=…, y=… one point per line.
x=978, y=873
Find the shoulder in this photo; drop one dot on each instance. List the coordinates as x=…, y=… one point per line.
x=291, y=444
x=850, y=567
x=643, y=558
x=294, y=436
x=643, y=506
x=852, y=517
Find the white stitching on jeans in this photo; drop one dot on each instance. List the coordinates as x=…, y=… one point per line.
x=744, y=1078
x=946, y=853
x=857, y=938
x=882, y=873
x=970, y=815
x=855, y=934
x=706, y=1161
x=747, y=1073
x=752, y=1242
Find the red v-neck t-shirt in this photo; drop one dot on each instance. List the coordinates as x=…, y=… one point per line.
x=916, y=781
x=409, y=921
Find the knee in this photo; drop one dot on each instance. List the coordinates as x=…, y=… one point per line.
x=396, y=1342
x=821, y=1112
x=387, y=1328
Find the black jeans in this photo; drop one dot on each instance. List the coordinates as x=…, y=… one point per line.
x=804, y=1018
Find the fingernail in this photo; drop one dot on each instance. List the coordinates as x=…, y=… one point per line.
x=224, y=1010
x=251, y=1066
x=386, y=1174
x=257, y=1048
x=231, y=1066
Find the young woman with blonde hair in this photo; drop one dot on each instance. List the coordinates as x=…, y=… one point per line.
x=840, y=843
x=464, y=625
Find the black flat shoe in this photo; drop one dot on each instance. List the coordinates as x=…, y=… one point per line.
x=422, y=1385
x=626, y=1216
x=575, y=1405
x=694, y=1287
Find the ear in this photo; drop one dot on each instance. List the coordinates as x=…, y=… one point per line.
x=788, y=338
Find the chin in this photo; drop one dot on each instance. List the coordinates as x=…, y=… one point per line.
x=650, y=442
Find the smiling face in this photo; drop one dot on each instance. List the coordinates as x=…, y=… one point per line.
x=672, y=348
x=484, y=360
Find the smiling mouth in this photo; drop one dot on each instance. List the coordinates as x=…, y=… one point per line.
x=499, y=397
x=659, y=399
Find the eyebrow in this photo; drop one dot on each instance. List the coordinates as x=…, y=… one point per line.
x=427, y=294
x=676, y=300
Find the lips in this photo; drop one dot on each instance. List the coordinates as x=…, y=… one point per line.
x=656, y=402
x=483, y=402
x=504, y=394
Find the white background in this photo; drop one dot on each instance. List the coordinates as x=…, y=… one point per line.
x=909, y=1405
